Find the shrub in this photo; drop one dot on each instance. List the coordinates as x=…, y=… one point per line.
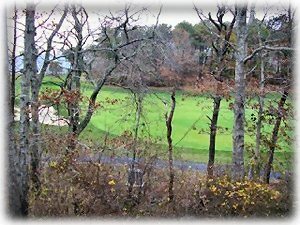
x=247, y=198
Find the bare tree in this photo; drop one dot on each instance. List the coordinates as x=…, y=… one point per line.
x=280, y=109
x=255, y=164
x=31, y=81
x=169, y=118
x=80, y=17
x=138, y=91
x=13, y=63
x=221, y=47
x=120, y=50
x=35, y=85
x=255, y=168
x=264, y=47
x=239, y=103
x=14, y=183
x=239, y=108
x=280, y=112
x=257, y=27
x=30, y=70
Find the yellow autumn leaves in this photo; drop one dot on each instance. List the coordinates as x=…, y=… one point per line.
x=111, y=182
x=241, y=195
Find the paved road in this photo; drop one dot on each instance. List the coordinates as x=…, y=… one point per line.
x=158, y=163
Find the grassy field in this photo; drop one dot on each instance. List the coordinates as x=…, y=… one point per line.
x=190, y=124
x=116, y=115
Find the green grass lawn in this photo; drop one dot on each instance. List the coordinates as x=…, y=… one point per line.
x=190, y=124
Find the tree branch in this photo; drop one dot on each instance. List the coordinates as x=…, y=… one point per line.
x=49, y=45
x=214, y=22
x=92, y=100
x=266, y=47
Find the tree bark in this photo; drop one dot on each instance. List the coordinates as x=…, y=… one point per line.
x=274, y=138
x=138, y=101
x=13, y=65
x=137, y=124
x=13, y=187
x=29, y=56
x=212, y=136
x=254, y=171
x=77, y=69
x=169, y=119
x=35, y=149
x=239, y=108
x=34, y=109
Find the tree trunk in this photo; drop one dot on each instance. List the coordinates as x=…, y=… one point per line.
x=212, y=136
x=13, y=65
x=36, y=82
x=269, y=164
x=255, y=165
x=274, y=138
x=221, y=48
x=14, y=201
x=258, y=130
x=92, y=99
x=35, y=145
x=74, y=85
x=239, y=108
x=137, y=124
x=34, y=109
x=169, y=119
x=14, y=204
x=138, y=101
x=24, y=108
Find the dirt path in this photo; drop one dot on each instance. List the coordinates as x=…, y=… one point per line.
x=47, y=115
